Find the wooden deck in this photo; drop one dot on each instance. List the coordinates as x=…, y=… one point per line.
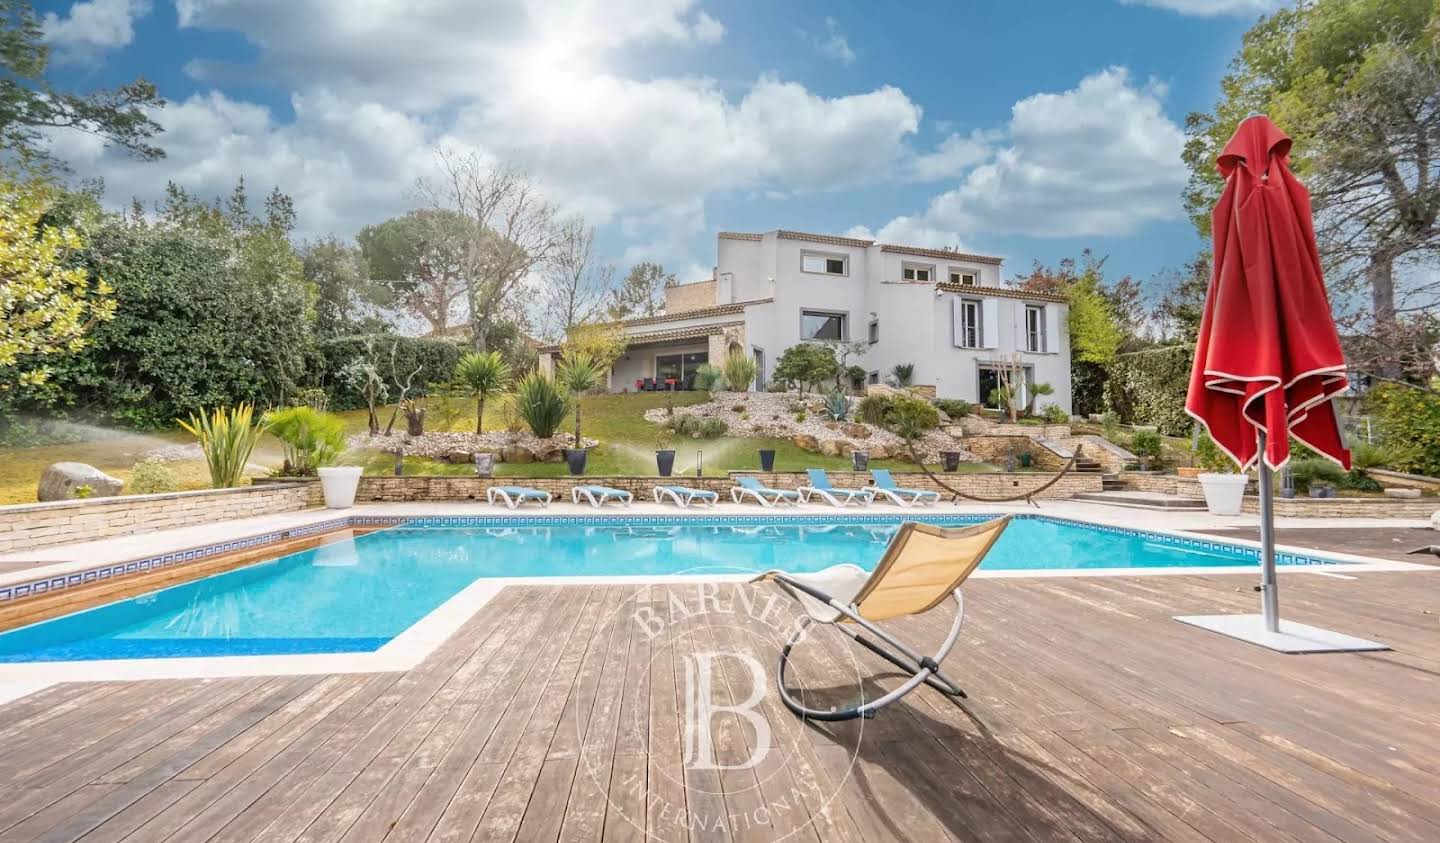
x=554, y=715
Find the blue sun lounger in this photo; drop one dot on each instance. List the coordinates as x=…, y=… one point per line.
x=683, y=496
x=820, y=485
x=750, y=487
x=598, y=496
x=885, y=485
x=516, y=495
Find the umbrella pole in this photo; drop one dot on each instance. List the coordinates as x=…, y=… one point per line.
x=1269, y=588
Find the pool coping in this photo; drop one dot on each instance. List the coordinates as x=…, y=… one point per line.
x=413, y=645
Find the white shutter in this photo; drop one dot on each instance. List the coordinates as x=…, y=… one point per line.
x=989, y=323
x=1052, y=328
x=957, y=323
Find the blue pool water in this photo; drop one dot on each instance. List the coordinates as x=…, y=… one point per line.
x=354, y=596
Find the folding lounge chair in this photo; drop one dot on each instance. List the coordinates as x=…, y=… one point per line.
x=820, y=485
x=750, y=488
x=599, y=495
x=516, y=495
x=683, y=496
x=922, y=566
x=885, y=485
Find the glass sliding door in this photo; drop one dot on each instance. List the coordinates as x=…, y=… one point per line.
x=680, y=368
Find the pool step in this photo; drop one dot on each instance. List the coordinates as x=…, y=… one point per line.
x=1142, y=500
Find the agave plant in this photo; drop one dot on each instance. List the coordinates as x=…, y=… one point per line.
x=227, y=438
x=837, y=406
x=541, y=403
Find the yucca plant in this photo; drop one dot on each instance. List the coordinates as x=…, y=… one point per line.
x=903, y=373
x=740, y=371
x=482, y=375
x=227, y=438
x=311, y=439
x=540, y=403
x=579, y=372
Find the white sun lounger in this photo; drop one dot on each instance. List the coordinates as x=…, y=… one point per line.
x=684, y=496
x=516, y=495
x=835, y=496
x=750, y=488
x=885, y=485
x=598, y=496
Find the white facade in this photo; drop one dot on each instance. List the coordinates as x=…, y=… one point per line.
x=944, y=312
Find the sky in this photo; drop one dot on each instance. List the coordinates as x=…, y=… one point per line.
x=1028, y=129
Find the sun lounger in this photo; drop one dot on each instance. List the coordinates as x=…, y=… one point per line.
x=885, y=485
x=684, y=496
x=820, y=485
x=922, y=566
x=750, y=487
x=598, y=496
x=516, y=495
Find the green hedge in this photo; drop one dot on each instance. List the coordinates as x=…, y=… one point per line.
x=1410, y=424
x=1148, y=387
x=435, y=357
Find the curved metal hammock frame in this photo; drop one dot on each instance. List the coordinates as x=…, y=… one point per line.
x=1028, y=496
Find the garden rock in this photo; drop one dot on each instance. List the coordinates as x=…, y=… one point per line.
x=458, y=457
x=806, y=442
x=1405, y=494
x=61, y=479
x=835, y=447
x=517, y=454
x=879, y=452
x=546, y=452
x=856, y=431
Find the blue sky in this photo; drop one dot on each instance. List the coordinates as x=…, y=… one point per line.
x=1029, y=129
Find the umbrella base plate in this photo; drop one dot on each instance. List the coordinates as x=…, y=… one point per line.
x=1292, y=637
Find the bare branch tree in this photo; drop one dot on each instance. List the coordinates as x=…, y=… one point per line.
x=574, y=285
x=514, y=231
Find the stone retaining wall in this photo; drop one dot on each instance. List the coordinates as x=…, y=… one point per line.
x=996, y=449
x=33, y=525
x=439, y=488
x=1347, y=507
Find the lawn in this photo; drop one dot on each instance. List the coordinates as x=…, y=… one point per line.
x=628, y=447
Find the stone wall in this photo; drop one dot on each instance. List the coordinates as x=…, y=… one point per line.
x=1348, y=507
x=690, y=297
x=1404, y=481
x=34, y=525
x=995, y=450
x=439, y=488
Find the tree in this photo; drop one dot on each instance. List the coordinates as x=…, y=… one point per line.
x=574, y=286
x=642, y=293
x=511, y=231
x=807, y=364
x=605, y=341
x=579, y=372
x=1182, y=303
x=30, y=105
x=336, y=271
x=419, y=258
x=482, y=375
x=1356, y=84
x=48, y=304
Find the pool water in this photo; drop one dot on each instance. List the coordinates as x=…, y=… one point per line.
x=356, y=595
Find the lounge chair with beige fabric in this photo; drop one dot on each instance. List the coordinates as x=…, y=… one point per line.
x=921, y=568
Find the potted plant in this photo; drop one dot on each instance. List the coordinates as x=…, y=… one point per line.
x=861, y=460
x=767, y=459
x=1220, y=480
x=950, y=460
x=484, y=463
x=664, y=454
x=579, y=372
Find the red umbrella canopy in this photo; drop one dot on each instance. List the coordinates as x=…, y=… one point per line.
x=1267, y=357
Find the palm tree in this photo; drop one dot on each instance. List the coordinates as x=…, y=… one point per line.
x=578, y=372
x=482, y=375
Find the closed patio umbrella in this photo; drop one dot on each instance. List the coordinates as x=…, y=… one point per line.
x=1267, y=357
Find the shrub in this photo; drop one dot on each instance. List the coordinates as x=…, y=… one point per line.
x=856, y=376
x=151, y=476
x=540, y=403
x=1148, y=387
x=874, y=409
x=910, y=417
x=227, y=438
x=740, y=371
x=1148, y=446
x=713, y=428
x=685, y=424
x=1210, y=459
x=1410, y=424
x=954, y=407
x=837, y=406
x=1054, y=414
x=1110, y=424
x=311, y=439
x=1305, y=473
x=708, y=378
x=311, y=396
x=434, y=358
x=800, y=417
x=903, y=373
x=807, y=364
x=1361, y=482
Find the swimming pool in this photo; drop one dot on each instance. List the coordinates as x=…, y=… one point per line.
x=354, y=596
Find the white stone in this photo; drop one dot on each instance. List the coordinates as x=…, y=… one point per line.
x=1398, y=492
x=60, y=480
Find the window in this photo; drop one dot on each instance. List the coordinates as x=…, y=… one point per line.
x=1034, y=328
x=874, y=331
x=823, y=325
x=963, y=278
x=968, y=328
x=872, y=377
x=916, y=272
x=824, y=264
x=680, y=367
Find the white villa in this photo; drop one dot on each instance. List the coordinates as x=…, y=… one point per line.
x=944, y=312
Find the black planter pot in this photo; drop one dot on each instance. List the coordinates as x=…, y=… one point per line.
x=665, y=462
x=767, y=460
x=575, y=459
x=860, y=459
x=951, y=460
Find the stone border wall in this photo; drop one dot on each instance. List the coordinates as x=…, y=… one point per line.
x=28, y=526
x=1189, y=487
x=441, y=488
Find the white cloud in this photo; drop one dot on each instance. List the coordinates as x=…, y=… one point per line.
x=953, y=156
x=832, y=43
x=1214, y=8
x=1100, y=159
x=93, y=26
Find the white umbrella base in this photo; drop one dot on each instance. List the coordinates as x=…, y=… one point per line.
x=1292, y=637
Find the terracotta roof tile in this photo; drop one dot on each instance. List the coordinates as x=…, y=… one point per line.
x=823, y=238
x=1000, y=292
x=697, y=313
x=740, y=235
x=942, y=254
x=671, y=335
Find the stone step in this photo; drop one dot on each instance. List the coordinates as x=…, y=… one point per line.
x=1141, y=500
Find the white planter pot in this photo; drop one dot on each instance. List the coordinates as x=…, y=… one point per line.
x=339, y=484
x=1223, y=492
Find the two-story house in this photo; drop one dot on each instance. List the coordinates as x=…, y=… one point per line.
x=944, y=312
